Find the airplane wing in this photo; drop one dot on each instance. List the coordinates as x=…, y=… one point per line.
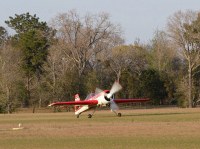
x=131, y=100
x=84, y=102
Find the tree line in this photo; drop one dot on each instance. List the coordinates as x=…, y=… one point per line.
x=41, y=63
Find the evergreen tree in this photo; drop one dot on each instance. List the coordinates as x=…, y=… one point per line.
x=152, y=86
x=3, y=34
x=33, y=39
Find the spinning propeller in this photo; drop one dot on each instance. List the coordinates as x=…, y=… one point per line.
x=116, y=87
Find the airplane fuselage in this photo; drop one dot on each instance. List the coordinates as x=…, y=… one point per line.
x=102, y=102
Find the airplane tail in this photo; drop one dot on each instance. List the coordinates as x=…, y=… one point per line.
x=77, y=98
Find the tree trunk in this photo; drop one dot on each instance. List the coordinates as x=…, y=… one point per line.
x=40, y=102
x=54, y=79
x=190, y=86
x=118, y=75
x=28, y=92
x=8, y=99
x=34, y=106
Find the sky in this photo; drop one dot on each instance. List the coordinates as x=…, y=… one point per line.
x=137, y=18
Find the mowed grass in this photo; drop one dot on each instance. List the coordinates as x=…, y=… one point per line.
x=170, y=128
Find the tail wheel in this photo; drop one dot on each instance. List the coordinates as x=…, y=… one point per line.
x=89, y=115
x=119, y=114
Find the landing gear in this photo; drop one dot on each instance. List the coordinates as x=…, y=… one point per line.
x=89, y=115
x=119, y=114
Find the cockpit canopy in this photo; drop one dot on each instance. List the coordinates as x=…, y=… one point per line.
x=93, y=94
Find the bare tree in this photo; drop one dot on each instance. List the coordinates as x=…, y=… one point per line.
x=132, y=58
x=56, y=67
x=120, y=60
x=162, y=51
x=188, y=46
x=139, y=57
x=82, y=38
x=9, y=74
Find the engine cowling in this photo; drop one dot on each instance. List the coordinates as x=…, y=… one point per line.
x=106, y=98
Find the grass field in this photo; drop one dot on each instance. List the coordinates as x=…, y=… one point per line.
x=140, y=129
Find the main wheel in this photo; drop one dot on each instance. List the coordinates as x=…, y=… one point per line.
x=89, y=115
x=77, y=116
x=119, y=114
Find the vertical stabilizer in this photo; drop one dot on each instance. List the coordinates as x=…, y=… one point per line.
x=77, y=98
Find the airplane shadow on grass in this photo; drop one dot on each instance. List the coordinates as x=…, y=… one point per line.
x=154, y=114
x=150, y=114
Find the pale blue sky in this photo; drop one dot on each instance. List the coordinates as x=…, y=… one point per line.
x=138, y=18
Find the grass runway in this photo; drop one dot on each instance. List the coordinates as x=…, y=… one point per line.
x=170, y=128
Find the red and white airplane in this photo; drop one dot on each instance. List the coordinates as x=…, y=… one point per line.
x=99, y=99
